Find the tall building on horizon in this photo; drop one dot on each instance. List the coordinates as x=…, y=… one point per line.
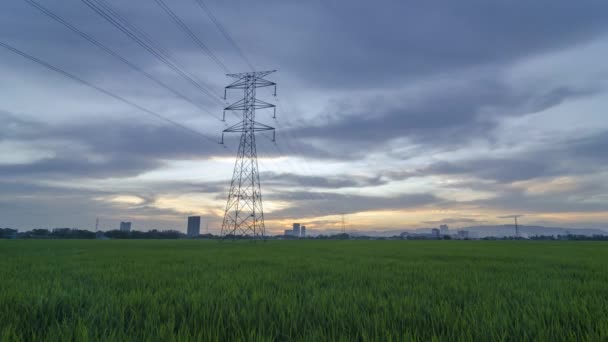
x=125, y=226
x=435, y=233
x=296, y=229
x=444, y=229
x=303, y=231
x=194, y=226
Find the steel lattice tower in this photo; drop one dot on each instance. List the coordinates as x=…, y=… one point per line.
x=244, y=213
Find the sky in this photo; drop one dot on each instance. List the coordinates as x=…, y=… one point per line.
x=397, y=114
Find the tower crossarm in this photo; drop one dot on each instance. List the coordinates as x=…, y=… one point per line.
x=258, y=82
x=256, y=74
x=242, y=105
x=247, y=80
x=259, y=104
x=256, y=127
x=241, y=127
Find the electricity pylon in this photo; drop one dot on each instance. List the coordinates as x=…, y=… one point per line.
x=244, y=213
x=516, y=224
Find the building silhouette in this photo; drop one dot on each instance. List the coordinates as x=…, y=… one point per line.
x=463, y=234
x=297, y=231
x=125, y=226
x=194, y=226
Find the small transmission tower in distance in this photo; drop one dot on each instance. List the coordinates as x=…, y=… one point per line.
x=244, y=213
x=516, y=224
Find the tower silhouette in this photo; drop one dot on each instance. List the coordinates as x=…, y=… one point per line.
x=244, y=214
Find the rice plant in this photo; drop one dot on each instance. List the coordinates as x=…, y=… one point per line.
x=125, y=290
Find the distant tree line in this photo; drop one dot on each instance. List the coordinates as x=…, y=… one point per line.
x=553, y=237
x=68, y=233
x=571, y=237
x=7, y=233
x=151, y=234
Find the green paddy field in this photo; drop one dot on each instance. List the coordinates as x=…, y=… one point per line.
x=193, y=290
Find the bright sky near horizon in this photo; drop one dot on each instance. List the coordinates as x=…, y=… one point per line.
x=398, y=114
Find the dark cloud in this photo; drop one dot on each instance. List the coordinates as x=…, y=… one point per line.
x=501, y=170
x=307, y=204
x=571, y=157
x=324, y=42
x=593, y=149
x=330, y=182
x=112, y=149
x=448, y=118
x=14, y=127
x=519, y=201
x=354, y=43
x=457, y=220
x=66, y=167
x=347, y=49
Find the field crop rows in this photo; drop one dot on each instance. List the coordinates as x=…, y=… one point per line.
x=121, y=290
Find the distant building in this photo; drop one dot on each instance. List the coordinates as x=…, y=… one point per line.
x=288, y=232
x=435, y=233
x=125, y=226
x=463, y=234
x=296, y=229
x=303, y=231
x=194, y=226
x=444, y=229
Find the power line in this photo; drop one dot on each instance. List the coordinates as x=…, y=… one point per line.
x=113, y=13
x=191, y=34
x=102, y=90
x=133, y=27
x=108, y=17
x=224, y=32
x=113, y=53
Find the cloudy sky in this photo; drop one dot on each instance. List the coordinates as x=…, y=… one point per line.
x=398, y=114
